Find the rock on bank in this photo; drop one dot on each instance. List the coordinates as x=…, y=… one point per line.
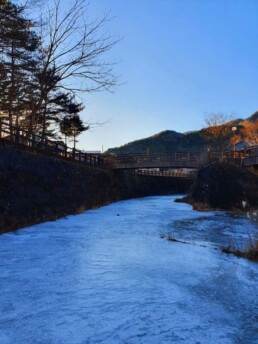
x=36, y=188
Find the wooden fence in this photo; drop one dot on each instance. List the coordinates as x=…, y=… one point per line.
x=14, y=135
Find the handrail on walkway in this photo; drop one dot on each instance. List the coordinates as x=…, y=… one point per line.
x=16, y=135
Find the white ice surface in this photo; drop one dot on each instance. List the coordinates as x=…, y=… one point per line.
x=106, y=276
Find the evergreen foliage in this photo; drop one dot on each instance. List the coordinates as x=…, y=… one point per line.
x=18, y=45
x=41, y=63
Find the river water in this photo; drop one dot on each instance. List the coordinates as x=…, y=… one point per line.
x=106, y=276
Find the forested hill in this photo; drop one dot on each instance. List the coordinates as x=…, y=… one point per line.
x=169, y=141
x=164, y=142
x=253, y=117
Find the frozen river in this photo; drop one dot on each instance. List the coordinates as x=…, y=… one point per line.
x=106, y=276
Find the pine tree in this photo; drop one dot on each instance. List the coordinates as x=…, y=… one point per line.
x=71, y=124
x=18, y=45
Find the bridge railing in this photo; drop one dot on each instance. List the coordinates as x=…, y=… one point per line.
x=14, y=135
x=173, y=156
x=171, y=174
x=173, y=159
x=251, y=161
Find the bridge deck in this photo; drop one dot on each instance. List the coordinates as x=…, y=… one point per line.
x=145, y=161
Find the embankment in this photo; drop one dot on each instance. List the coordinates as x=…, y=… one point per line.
x=224, y=186
x=36, y=188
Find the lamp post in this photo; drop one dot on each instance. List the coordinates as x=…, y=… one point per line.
x=234, y=132
x=209, y=153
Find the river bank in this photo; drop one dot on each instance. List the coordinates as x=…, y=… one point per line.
x=224, y=186
x=35, y=188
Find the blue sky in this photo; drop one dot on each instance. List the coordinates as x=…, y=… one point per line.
x=179, y=60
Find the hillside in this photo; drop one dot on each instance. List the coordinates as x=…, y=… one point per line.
x=170, y=140
x=253, y=117
x=165, y=141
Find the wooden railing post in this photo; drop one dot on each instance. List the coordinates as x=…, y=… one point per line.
x=17, y=136
x=33, y=140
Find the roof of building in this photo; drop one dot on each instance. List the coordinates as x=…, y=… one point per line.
x=241, y=145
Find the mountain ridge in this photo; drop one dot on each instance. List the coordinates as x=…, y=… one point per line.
x=170, y=140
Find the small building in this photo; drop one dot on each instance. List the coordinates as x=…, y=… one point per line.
x=241, y=150
x=239, y=146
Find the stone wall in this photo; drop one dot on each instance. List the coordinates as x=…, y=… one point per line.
x=36, y=188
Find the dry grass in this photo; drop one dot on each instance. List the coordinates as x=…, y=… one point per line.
x=250, y=252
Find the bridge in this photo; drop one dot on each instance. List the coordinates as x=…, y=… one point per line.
x=174, y=160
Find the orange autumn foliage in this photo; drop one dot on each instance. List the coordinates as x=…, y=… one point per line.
x=249, y=132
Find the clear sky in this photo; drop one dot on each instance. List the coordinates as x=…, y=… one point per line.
x=179, y=60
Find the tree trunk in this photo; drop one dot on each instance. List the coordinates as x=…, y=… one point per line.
x=74, y=141
x=11, y=90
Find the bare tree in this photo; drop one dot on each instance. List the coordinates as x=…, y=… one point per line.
x=218, y=130
x=72, y=53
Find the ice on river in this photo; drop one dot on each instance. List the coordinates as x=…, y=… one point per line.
x=106, y=276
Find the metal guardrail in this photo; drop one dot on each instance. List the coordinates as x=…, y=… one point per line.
x=15, y=135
